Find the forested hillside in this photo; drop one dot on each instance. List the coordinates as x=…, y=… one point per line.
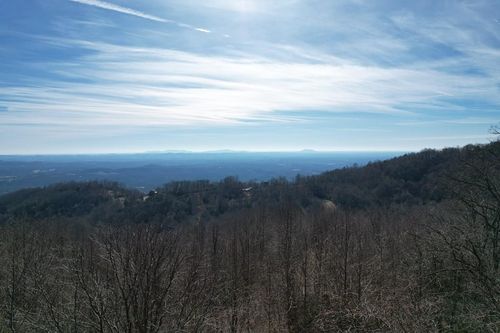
x=410, y=244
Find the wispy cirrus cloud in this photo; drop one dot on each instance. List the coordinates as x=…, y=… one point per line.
x=124, y=85
x=137, y=13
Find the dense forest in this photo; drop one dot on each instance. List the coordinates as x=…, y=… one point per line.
x=410, y=244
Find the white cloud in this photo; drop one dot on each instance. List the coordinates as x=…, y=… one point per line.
x=147, y=86
x=202, y=30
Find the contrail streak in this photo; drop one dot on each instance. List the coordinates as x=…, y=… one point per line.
x=133, y=12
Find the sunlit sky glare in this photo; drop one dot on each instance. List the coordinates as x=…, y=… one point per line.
x=96, y=76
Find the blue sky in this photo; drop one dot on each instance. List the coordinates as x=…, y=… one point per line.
x=90, y=76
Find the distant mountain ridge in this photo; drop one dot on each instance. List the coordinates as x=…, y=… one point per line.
x=410, y=179
x=148, y=171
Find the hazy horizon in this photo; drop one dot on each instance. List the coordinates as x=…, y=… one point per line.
x=217, y=151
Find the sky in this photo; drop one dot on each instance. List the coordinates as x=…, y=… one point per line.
x=118, y=76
